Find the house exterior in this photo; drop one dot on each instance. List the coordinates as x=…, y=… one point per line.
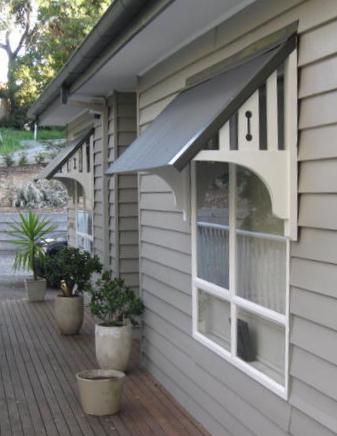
x=212, y=137
x=73, y=167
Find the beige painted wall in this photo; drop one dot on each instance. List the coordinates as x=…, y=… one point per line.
x=221, y=397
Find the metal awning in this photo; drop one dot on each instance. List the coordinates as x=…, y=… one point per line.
x=195, y=115
x=64, y=155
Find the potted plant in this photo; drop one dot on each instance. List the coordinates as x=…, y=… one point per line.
x=72, y=269
x=30, y=233
x=115, y=305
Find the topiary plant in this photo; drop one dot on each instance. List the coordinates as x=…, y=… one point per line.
x=113, y=302
x=72, y=269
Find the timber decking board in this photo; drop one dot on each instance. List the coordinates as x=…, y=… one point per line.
x=38, y=390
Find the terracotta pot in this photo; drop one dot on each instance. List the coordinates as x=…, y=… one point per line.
x=100, y=391
x=36, y=289
x=113, y=346
x=69, y=314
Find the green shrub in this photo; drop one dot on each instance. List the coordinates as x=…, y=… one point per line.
x=72, y=269
x=23, y=160
x=8, y=160
x=113, y=302
x=40, y=158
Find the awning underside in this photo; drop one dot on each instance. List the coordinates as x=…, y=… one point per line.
x=196, y=114
x=65, y=154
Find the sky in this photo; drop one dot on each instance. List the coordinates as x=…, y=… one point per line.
x=14, y=39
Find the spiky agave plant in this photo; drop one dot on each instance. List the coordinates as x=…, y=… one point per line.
x=29, y=232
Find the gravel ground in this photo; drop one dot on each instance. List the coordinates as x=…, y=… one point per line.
x=33, y=148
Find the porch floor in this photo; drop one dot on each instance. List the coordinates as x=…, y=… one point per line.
x=38, y=391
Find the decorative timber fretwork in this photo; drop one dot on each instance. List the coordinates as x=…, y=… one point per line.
x=262, y=136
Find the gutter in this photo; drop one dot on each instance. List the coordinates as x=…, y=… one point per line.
x=117, y=20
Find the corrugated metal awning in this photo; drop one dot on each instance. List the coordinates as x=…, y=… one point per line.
x=195, y=115
x=64, y=155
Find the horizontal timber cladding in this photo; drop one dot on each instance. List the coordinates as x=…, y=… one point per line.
x=230, y=402
x=98, y=215
x=123, y=191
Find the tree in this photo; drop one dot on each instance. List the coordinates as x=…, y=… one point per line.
x=59, y=27
x=18, y=16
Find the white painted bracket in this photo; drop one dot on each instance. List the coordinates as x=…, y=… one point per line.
x=180, y=184
x=269, y=166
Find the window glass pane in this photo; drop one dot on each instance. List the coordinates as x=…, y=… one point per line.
x=84, y=243
x=214, y=319
x=80, y=221
x=261, y=343
x=84, y=222
x=260, y=251
x=253, y=205
x=80, y=195
x=212, y=222
x=261, y=271
x=89, y=223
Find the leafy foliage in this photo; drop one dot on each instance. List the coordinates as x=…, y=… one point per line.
x=10, y=139
x=23, y=159
x=50, y=31
x=18, y=16
x=29, y=232
x=72, y=269
x=8, y=160
x=40, y=158
x=113, y=302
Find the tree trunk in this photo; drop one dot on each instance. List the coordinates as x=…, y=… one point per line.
x=11, y=85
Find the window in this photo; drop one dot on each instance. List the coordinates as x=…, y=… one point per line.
x=84, y=234
x=240, y=276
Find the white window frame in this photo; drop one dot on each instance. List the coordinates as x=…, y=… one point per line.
x=86, y=236
x=284, y=194
x=235, y=301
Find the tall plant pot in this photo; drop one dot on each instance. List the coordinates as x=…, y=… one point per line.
x=100, y=391
x=69, y=314
x=113, y=346
x=36, y=289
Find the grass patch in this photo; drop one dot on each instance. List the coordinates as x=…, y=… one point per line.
x=10, y=138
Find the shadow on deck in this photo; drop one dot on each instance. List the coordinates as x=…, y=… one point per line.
x=38, y=390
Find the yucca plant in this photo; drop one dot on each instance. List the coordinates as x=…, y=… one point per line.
x=29, y=233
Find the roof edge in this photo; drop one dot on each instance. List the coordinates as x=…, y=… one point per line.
x=116, y=21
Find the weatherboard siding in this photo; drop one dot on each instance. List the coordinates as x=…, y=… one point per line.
x=98, y=208
x=111, y=233
x=223, y=398
x=116, y=222
x=126, y=125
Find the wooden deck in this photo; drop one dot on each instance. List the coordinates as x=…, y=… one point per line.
x=38, y=391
